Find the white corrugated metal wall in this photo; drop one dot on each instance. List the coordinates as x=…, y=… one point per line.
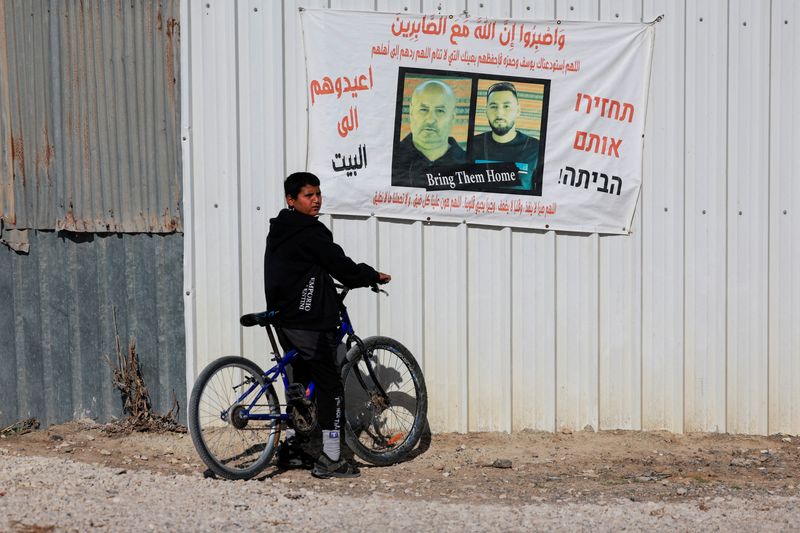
x=685, y=325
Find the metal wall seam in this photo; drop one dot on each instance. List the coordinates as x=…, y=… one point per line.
x=215, y=179
x=400, y=254
x=358, y=236
x=662, y=226
x=620, y=298
x=747, y=217
x=533, y=297
x=190, y=261
x=706, y=174
x=488, y=257
x=577, y=293
x=296, y=131
x=261, y=150
x=489, y=328
x=445, y=333
x=784, y=230
x=533, y=326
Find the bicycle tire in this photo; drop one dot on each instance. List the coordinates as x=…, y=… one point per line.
x=230, y=451
x=384, y=435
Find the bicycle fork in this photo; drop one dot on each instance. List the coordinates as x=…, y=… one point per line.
x=384, y=398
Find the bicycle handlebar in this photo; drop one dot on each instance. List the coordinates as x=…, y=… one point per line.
x=343, y=290
x=378, y=290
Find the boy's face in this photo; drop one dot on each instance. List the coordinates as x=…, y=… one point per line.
x=308, y=200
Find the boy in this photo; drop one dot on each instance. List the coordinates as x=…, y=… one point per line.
x=299, y=261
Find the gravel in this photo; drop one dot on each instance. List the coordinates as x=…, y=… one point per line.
x=61, y=495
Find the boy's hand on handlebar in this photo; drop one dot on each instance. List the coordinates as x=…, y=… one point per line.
x=383, y=279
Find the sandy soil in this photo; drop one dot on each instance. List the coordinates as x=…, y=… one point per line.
x=524, y=468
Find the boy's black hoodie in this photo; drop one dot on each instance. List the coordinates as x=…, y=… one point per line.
x=299, y=261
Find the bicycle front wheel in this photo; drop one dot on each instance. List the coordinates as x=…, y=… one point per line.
x=386, y=402
x=225, y=397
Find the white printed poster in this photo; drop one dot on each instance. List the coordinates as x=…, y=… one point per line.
x=535, y=124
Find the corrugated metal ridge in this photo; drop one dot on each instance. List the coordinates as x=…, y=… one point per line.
x=7, y=213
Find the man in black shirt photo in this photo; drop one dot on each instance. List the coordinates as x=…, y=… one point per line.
x=429, y=145
x=504, y=142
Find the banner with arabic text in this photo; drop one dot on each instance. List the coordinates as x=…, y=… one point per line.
x=535, y=124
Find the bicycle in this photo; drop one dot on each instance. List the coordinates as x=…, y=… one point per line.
x=235, y=418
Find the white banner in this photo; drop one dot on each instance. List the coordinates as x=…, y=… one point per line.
x=522, y=123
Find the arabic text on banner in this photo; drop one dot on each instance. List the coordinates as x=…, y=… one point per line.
x=505, y=122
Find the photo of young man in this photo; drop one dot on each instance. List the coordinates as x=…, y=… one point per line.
x=504, y=142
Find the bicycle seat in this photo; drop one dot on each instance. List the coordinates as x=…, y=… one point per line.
x=263, y=319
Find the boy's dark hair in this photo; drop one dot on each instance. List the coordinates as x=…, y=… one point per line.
x=501, y=86
x=296, y=181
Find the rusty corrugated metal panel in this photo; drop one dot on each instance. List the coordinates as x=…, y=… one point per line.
x=93, y=134
x=57, y=323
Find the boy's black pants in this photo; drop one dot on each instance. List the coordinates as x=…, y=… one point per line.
x=317, y=361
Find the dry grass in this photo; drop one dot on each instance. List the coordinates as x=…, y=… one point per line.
x=20, y=428
x=127, y=378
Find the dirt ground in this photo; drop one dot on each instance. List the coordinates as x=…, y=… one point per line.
x=486, y=467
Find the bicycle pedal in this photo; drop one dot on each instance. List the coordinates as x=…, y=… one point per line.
x=295, y=392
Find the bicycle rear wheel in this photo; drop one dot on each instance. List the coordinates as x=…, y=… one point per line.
x=230, y=443
x=383, y=429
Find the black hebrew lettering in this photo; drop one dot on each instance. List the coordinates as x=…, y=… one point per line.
x=568, y=174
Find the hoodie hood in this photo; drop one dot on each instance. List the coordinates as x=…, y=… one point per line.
x=286, y=225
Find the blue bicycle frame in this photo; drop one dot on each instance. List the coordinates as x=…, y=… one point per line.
x=345, y=330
